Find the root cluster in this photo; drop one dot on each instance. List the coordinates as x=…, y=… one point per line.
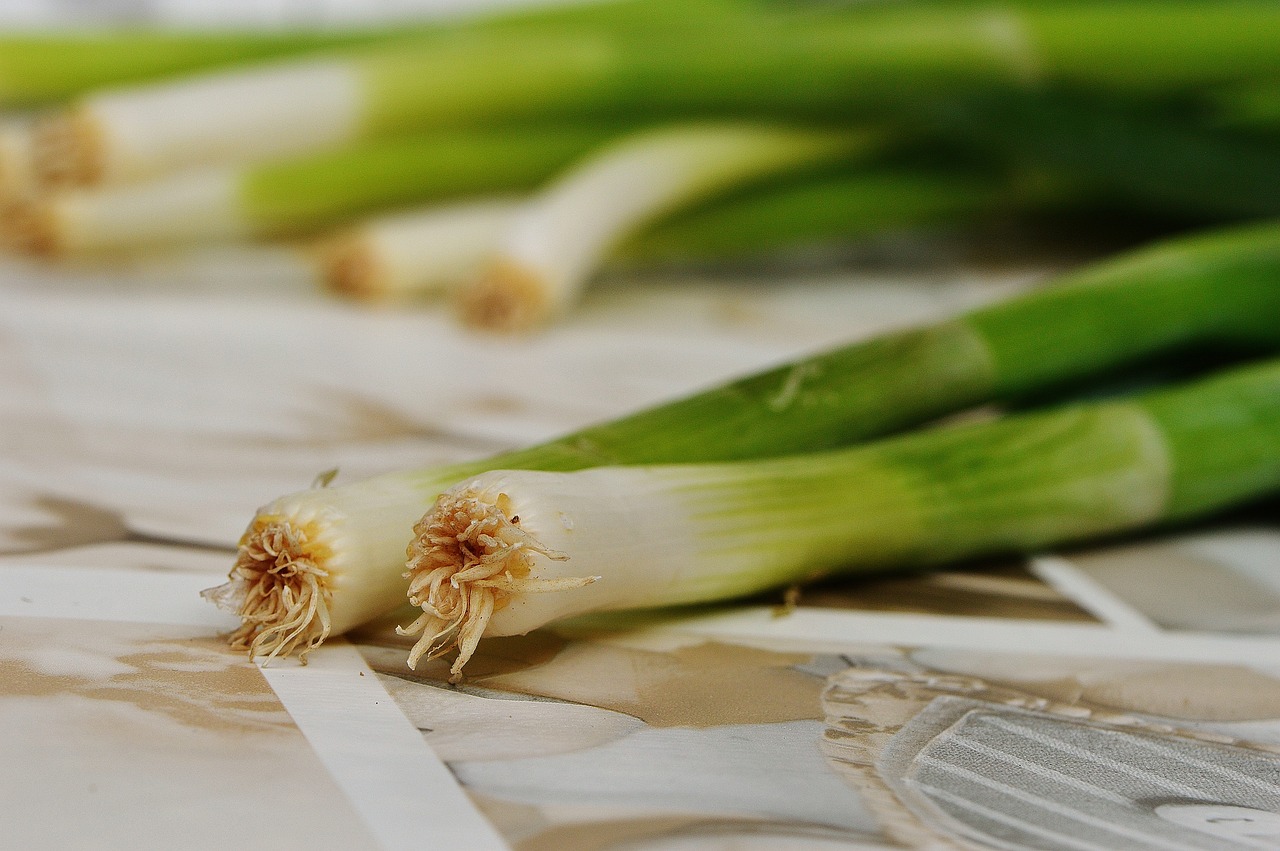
x=279, y=589
x=469, y=558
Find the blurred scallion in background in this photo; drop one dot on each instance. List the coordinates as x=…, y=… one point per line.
x=296, y=195
x=557, y=240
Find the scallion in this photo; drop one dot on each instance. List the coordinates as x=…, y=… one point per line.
x=422, y=252
x=826, y=208
x=325, y=560
x=562, y=235
x=49, y=66
x=1252, y=107
x=427, y=252
x=295, y=196
x=1126, y=154
x=509, y=551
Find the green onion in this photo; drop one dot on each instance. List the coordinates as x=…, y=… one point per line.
x=329, y=99
x=1140, y=157
x=561, y=236
x=325, y=560
x=428, y=251
x=294, y=196
x=509, y=551
x=1252, y=107
x=43, y=67
x=827, y=208
x=729, y=59
x=422, y=252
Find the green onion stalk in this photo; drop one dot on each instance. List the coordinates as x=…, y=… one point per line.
x=429, y=251
x=557, y=241
x=48, y=66
x=1252, y=107
x=41, y=67
x=745, y=60
x=508, y=551
x=294, y=196
x=325, y=560
x=832, y=208
x=1153, y=159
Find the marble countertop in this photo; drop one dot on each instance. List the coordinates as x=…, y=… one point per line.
x=145, y=413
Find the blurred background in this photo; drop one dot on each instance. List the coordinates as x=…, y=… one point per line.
x=432, y=152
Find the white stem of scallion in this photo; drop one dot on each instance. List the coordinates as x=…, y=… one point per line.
x=132, y=134
x=299, y=195
x=189, y=207
x=413, y=254
x=565, y=232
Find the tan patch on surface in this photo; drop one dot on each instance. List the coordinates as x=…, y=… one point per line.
x=31, y=227
x=194, y=682
x=597, y=836
x=494, y=403
x=1191, y=692
x=349, y=415
x=515, y=821
x=495, y=656
x=703, y=686
x=138, y=730
x=349, y=267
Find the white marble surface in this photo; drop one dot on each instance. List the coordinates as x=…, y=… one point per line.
x=145, y=415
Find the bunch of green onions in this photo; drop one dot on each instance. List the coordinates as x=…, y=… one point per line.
x=653, y=121
x=842, y=62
